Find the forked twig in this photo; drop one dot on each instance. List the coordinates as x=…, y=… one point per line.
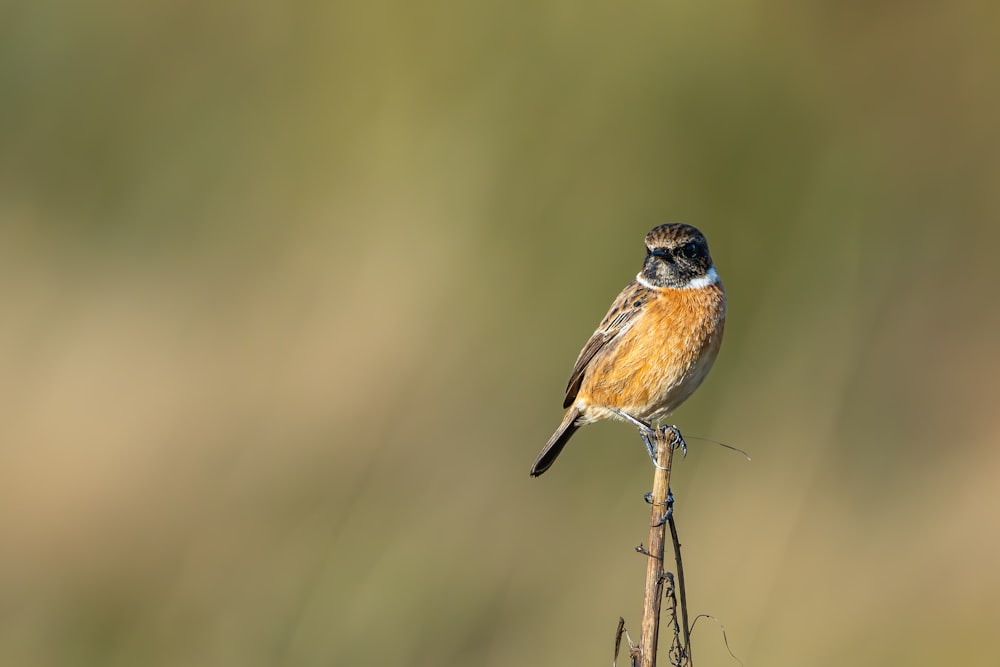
x=661, y=515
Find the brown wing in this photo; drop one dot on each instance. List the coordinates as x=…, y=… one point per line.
x=623, y=311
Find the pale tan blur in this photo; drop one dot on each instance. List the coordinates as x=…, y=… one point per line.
x=290, y=294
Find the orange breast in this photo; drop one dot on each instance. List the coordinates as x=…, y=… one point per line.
x=651, y=368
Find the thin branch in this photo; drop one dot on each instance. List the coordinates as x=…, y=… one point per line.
x=682, y=589
x=618, y=640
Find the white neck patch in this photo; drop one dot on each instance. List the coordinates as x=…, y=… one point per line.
x=711, y=277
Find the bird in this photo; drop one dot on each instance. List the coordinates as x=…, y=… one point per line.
x=654, y=347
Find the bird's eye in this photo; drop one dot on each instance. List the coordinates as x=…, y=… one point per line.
x=689, y=250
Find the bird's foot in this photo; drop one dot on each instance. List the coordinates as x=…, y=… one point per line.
x=678, y=438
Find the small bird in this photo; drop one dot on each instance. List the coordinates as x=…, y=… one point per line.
x=655, y=345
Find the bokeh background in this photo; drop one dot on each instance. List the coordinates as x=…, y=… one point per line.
x=290, y=293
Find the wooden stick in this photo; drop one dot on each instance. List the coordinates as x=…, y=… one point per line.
x=664, y=440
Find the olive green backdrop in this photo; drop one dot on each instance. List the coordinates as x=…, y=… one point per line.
x=291, y=291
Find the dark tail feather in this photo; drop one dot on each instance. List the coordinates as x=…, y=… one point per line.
x=556, y=443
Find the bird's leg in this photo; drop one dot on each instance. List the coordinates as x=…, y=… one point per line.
x=647, y=433
x=647, y=438
x=638, y=423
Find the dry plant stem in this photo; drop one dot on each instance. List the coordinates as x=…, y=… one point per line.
x=682, y=589
x=664, y=440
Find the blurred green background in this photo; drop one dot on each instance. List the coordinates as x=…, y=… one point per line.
x=291, y=291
